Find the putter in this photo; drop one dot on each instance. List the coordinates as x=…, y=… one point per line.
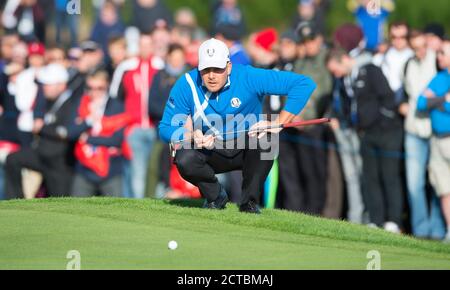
x=282, y=126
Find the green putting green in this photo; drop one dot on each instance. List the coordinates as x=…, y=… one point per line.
x=134, y=234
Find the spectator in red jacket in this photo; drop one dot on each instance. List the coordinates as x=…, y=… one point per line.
x=141, y=134
x=98, y=129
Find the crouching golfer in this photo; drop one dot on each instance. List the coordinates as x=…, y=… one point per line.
x=213, y=94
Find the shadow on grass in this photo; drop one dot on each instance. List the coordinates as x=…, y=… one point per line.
x=189, y=203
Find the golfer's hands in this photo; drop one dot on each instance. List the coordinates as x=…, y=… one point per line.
x=298, y=119
x=334, y=123
x=203, y=141
x=258, y=130
x=447, y=97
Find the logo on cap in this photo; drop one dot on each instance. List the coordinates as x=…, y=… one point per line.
x=211, y=52
x=235, y=103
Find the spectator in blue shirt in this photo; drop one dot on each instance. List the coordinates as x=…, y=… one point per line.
x=108, y=25
x=436, y=100
x=65, y=20
x=372, y=18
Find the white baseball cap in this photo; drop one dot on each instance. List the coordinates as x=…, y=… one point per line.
x=213, y=53
x=53, y=74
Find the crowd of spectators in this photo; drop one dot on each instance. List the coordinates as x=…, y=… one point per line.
x=80, y=117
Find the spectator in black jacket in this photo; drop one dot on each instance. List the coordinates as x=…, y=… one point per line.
x=51, y=153
x=150, y=13
x=9, y=132
x=380, y=130
x=159, y=94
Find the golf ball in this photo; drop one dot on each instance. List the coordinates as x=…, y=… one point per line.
x=173, y=245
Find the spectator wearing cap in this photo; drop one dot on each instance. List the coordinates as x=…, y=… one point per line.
x=372, y=19
x=107, y=25
x=308, y=193
x=313, y=64
x=262, y=48
x=97, y=126
x=73, y=58
x=51, y=154
x=228, y=12
x=36, y=55
x=312, y=11
x=426, y=217
x=436, y=100
x=230, y=35
x=65, y=21
x=90, y=59
x=349, y=37
x=288, y=50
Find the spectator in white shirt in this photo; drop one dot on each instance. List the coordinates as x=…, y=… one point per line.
x=393, y=61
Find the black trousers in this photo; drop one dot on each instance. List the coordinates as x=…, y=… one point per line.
x=200, y=167
x=303, y=170
x=164, y=165
x=56, y=173
x=382, y=177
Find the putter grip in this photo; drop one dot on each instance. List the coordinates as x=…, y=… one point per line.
x=306, y=123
